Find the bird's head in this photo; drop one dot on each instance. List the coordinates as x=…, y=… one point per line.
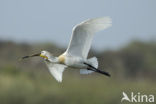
x=45, y=54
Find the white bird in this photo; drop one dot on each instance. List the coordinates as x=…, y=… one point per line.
x=76, y=54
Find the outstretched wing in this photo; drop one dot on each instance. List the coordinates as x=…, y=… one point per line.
x=82, y=35
x=56, y=70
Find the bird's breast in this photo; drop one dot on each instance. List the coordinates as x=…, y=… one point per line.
x=61, y=59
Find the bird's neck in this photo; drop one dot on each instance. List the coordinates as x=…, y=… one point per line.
x=53, y=59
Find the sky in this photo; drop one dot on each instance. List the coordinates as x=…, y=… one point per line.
x=53, y=20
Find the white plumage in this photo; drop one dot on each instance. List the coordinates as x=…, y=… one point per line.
x=82, y=35
x=76, y=54
x=56, y=70
x=93, y=61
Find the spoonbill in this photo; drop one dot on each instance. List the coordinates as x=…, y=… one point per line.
x=76, y=54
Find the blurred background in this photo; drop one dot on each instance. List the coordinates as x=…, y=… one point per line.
x=127, y=50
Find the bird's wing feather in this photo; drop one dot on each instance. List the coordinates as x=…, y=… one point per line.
x=56, y=70
x=82, y=35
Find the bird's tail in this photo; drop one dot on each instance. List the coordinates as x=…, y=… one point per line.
x=93, y=66
x=92, y=61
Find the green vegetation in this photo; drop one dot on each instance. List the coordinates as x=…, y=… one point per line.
x=133, y=69
x=17, y=87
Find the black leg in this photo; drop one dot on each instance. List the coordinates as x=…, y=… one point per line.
x=90, y=67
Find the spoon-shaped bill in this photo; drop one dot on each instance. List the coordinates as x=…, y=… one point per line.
x=38, y=54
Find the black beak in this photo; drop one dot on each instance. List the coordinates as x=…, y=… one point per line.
x=38, y=54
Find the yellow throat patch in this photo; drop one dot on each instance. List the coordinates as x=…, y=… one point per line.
x=43, y=56
x=61, y=59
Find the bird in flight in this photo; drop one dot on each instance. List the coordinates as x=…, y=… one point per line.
x=76, y=54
